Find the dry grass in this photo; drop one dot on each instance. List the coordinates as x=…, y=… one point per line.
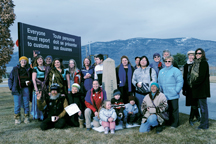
x=31, y=133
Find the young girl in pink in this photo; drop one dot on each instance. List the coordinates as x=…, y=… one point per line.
x=108, y=116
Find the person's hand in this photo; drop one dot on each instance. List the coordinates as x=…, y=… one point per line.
x=56, y=118
x=37, y=92
x=49, y=93
x=148, y=108
x=34, y=54
x=139, y=85
x=96, y=113
x=121, y=115
x=79, y=113
x=131, y=113
x=62, y=94
x=110, y=119
x=39, y=96
x=68, y=92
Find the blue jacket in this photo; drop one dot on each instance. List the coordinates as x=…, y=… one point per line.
x=14, y=80
x=131, y=108
x=104, y=114
x=170, y=80
x=88, y=82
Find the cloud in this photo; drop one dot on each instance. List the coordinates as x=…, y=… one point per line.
x=105, y=20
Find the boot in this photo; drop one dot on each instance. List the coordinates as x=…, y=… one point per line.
x=17, y=119
x=81, y=122
x=159, y=129
x=26, y=119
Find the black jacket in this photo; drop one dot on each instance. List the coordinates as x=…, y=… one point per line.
x=201, y=86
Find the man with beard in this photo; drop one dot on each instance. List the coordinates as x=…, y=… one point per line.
x=55, y=111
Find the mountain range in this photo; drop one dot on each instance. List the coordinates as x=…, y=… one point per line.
x=143, y=46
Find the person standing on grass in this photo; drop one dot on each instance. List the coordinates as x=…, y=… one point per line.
x=137, y=61
x=98, y=71
x=187, y=91
x=171, y=81
x=87, y=74
x=144, y=75
x=156, y=64
x=153, y=104
x=124, y=73
x=108, y=116
x=40, y=80
x=58, y=74
x=19, y=84
x=93, y=101
x=75, y=74
x=200, y=85
x=55, y=108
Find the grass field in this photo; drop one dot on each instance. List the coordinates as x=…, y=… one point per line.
x=31, y=133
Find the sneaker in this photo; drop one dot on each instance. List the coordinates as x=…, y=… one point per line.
x=191, y=122
x=130, y=123
x=106, y=130
x=124, y=125
x=112, y=131
x=88, y=129
x=26, y=120
x=17, y=121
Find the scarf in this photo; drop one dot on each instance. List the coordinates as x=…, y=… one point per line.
x=122, y=76
x=195, y=71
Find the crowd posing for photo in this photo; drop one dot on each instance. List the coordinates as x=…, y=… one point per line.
x=147, y=94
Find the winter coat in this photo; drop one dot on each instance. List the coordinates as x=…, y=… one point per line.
x=94, y=100
x=118, y=105
x=157, y=66
x=87, y=82
x=75, y=78
x=131, y=108
x=186, y=90
x=105, y=114
x=170, y=81
x=201, y=86
x=77, y=98
x=14, y=82
x=59, y=79
x=160, y=102
x=143, y=75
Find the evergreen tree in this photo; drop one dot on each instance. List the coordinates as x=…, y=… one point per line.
x=7, y=18
x=181, y=59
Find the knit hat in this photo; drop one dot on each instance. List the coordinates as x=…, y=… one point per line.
x=76, y=85
x=49, y=56
x=156, y=54
x=23, y=58
x=190, y=52
x=131, y=98
x=55, y=86
x=116, y=92
x=156, y=84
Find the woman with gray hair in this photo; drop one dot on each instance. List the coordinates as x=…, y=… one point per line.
x=187, y=91
x=171, y=81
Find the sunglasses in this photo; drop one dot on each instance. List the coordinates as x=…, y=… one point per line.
x=199, y=53
x=168, y=61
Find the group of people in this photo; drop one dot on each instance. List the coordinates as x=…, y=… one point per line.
x=147, y=93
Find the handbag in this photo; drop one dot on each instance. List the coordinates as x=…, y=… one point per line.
x=164, y=115
x=144, y=88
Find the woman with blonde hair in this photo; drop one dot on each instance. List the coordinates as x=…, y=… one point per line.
x=75, y=74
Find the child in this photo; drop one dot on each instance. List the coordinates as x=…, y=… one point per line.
x=118, y=105
x=76, y=97
x=108, y=116
x=130, y=111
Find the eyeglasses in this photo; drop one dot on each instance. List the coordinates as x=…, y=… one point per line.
x=198, y=53
x=168, y=61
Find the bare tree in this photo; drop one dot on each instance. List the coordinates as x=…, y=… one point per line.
x=7, y=18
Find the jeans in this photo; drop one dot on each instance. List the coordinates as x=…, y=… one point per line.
x=140, y=98
x=151, y=121
x=22, y=100
x=128, y=117
x=204, y=122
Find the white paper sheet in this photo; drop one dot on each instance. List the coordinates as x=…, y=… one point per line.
x=72, y=109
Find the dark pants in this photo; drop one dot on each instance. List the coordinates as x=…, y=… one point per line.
x=173, y=110
x=204, y=122
x=48, y=124
x=129, y=117
x=73, y=120
x=194, y=113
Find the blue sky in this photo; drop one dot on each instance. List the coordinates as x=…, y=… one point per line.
x=106, y=20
